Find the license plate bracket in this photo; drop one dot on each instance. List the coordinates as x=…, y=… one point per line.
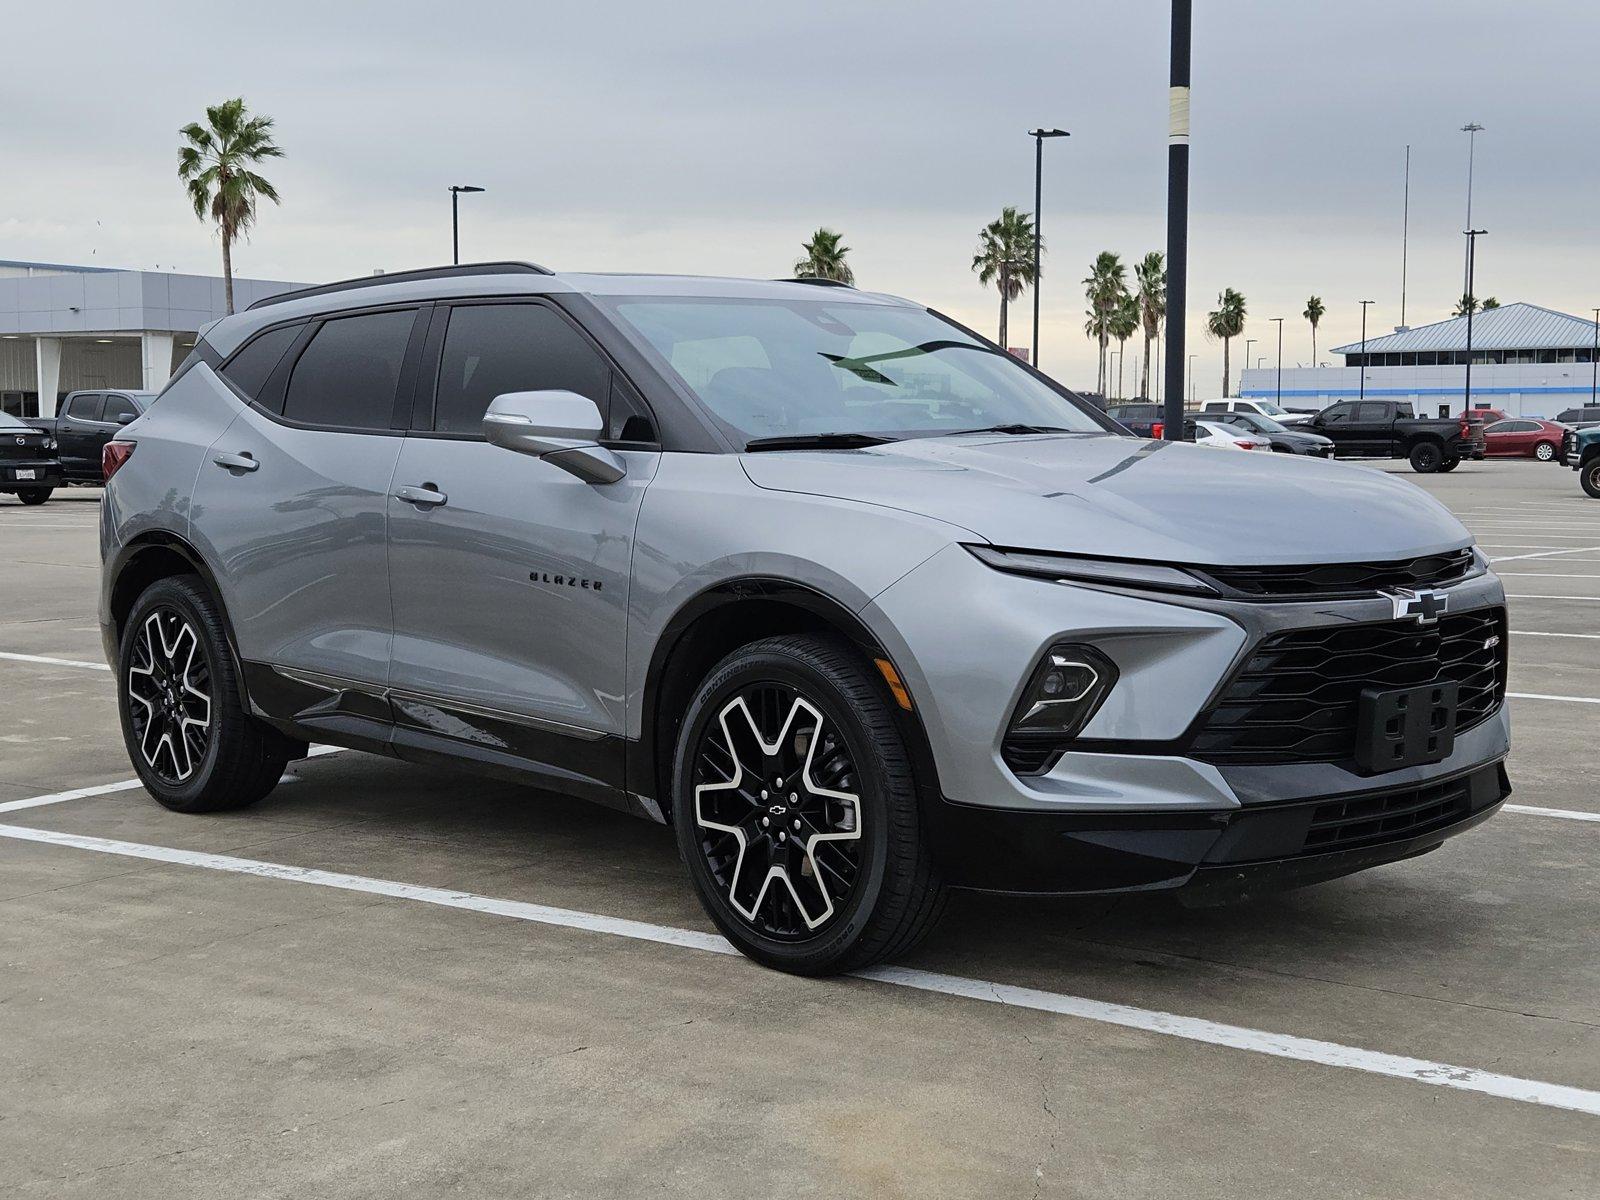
x=1405, y=727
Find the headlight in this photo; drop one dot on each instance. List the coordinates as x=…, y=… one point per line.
x=1065, y=690
x=49, y=443
x=1113, y=571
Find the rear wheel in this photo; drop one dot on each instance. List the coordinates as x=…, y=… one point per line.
x=1545, y=451
x=796, y=810
x=1450, y=464
x=190, y=739
x=1589, y=476
x=34, y=495
x=1426, y=457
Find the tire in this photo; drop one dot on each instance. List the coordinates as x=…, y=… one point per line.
x=1545, y=451
x=1450, y=464
x=34, y=495
x=1426, y=457
x=1589, y=477
x=862, y=887
x=193, y=744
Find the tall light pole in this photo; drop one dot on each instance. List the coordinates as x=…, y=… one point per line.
x=1038, y=136
x=1472, y=261
x=1405, y=237
x=1177, y=214
x=455, y=219
x=1279, y=397
x=1594, y=363
x=1248, y=342
x=1472, y=129
x=1362, y=391
x=1189, y=391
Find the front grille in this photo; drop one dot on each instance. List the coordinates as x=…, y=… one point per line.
x=1296, y=699
x=1390, y=817
x=1326, y=580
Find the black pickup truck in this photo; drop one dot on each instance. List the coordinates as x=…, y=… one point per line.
x=1387, y=429
x=87, y=422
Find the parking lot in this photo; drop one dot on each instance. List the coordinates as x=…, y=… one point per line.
x=385, y=980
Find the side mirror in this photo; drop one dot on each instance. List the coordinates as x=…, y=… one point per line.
x=563, y=428
x=127, y=418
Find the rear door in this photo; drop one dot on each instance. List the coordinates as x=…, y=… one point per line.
x=291, y=499
x=511, y=588
x=78, y=435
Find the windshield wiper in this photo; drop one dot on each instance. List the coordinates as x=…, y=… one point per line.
x=1012, y=428
x=818, y=441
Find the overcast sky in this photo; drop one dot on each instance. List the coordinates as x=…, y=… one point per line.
x=711, y=137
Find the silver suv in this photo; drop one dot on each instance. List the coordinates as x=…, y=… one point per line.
x=862, y=606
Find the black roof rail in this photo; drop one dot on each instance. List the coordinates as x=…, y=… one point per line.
x=350, y=285
x=816, y=281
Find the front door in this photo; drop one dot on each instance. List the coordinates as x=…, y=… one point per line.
x=509, y=575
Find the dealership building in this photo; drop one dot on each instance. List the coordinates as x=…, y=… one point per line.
x=66, y=328
x=1526, y=360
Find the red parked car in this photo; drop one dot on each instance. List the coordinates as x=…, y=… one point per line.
x=1524, y=437
x=1487, y=415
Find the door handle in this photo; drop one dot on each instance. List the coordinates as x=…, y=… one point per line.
x=426, y=496
x=243, y=461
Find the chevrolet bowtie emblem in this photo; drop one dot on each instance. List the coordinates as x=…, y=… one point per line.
x=1423, y=607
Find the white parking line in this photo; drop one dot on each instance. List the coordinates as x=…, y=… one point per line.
x=1566, y=814
x=54, y=662
x=1541, y=575
x=122, y=785
x=1566, y=699
x=1194, y=1029
x=1542, y=596
x=1595, y=637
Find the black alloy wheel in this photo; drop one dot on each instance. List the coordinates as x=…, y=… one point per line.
x=796, y=809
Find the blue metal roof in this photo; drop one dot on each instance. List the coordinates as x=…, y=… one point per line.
x=1510, y=327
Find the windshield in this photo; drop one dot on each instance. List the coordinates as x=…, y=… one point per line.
x=1259, y=424
x=1271, y=409
x=801, y=367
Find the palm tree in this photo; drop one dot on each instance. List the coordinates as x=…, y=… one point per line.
x=1005, y=258
x=1104, y=287
x=1151, y=276
x=825, y=258
x=214, y=164
x=1469, y=303
x=1124, y=323
x=1488, y=303
x=1314, y=313
x=1226, y=321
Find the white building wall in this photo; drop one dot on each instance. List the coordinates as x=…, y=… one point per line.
x=1526, y=389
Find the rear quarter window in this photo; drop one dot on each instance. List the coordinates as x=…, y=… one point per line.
x=250, y=367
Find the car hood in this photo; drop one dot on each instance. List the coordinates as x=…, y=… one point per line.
x=1123, y=497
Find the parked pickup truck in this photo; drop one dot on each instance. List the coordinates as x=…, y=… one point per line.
x=1580, y=450
x=1386, y=429
x=87, y=422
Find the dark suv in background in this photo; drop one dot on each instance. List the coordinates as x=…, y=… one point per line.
x=89, y=420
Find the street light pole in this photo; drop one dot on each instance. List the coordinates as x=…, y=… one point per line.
x=1594, y=363
x=1189, y=392
x=1362, y=391
x=1279, y=398
x=1039, y=136
x=455, y=219
x=1472, y=262
x=1248, y=342
x=1472, y=129
x=1177, y=213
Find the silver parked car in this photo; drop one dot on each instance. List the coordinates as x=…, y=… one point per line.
x=862, y=606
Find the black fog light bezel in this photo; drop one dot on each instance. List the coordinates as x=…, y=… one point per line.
x=1041, y=728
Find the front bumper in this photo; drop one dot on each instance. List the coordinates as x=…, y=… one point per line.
x=1208, y=857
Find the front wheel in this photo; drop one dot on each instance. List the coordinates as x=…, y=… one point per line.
x=795, y=807
x=1589, y=476
x=1450, y=464
x=34, y=495
x=1426, y=457
x=190, y=739
x=1545, y=451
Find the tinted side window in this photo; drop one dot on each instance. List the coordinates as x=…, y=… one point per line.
x=494, y=348
x=249, y=368
x=117, y=407
x=1372, y=412
x=85, y=408
x=346, y=376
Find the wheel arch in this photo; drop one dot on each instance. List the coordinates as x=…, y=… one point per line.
x=157, y=555
x=709, y=627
